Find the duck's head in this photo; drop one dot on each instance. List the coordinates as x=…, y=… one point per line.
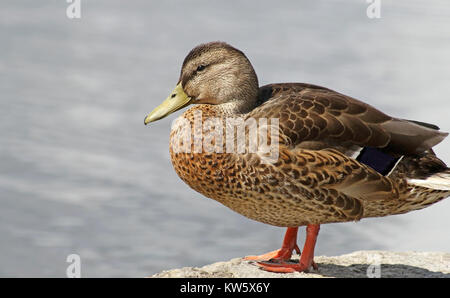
x=212, y=73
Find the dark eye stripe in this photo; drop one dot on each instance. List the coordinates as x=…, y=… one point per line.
x=188, y=76
x=201, y=67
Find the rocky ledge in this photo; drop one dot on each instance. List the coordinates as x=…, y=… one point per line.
x=356, y=264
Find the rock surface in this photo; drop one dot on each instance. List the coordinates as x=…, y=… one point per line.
x=357, y=264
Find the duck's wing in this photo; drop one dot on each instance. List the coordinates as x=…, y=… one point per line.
x=330, y=170
x=313, y=117
x=322, y=127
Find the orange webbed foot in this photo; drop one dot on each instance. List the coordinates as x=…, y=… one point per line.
x=278, y=260
x=282, y=254
x=279, y=254
x=286, y=267
x=282, y=267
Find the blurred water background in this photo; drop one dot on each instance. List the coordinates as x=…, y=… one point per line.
x=80, y=173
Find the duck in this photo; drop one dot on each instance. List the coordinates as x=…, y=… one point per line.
x=334, y=158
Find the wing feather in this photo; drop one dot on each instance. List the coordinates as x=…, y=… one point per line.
x=313, y=113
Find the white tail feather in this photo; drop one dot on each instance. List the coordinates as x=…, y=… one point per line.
x=440, y=181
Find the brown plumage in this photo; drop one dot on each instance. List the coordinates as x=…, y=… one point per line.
x=317, y=177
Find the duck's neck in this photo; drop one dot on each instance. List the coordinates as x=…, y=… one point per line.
x=238, y=107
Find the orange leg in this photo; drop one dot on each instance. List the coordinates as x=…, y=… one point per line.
x=283, y=254
x=306, y=259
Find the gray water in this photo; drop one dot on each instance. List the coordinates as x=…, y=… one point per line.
x=80, y=173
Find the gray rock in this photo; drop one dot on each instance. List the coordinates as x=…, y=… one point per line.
x=356, y=264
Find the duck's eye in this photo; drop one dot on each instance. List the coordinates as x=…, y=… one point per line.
x=201, y=67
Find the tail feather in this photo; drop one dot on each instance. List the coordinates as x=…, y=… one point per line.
x=439, y=181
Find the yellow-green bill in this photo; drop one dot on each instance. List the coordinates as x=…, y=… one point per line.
x=177, y=99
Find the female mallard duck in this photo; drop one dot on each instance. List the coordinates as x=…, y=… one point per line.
x=338, y=159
